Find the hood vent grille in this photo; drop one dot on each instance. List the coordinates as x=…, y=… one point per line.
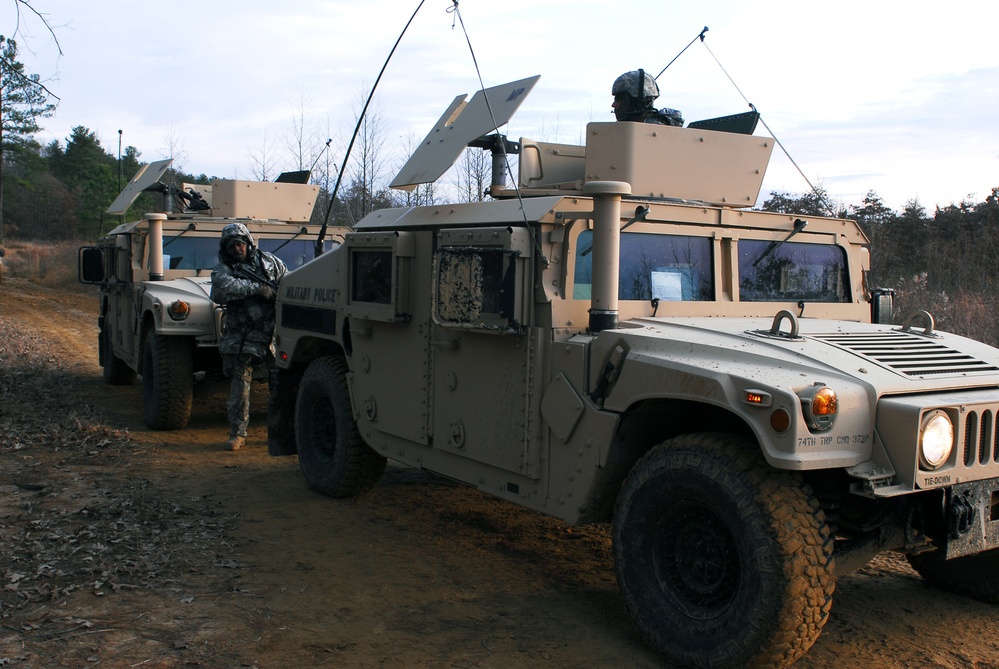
x=908, y=354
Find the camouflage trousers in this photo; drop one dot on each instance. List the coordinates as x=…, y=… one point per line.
x=240, y=369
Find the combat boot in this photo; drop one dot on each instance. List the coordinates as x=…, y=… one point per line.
x=234, y=443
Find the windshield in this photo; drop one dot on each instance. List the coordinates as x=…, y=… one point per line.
x=791, y=272
x=202, y=252
x=680, y=268
x=667, y=267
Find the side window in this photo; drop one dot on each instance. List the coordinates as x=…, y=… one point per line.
x=476, y=287
x=371, y=276
x=791, y=271
x=668, y=267
x=379, y=275
x=482, y=279
x=121, y=264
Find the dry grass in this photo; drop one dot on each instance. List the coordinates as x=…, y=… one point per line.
x=46, y=263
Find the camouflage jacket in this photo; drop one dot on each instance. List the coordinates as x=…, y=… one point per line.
x=249, y=317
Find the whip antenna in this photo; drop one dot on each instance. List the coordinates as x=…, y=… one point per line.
x=321, y=154
x=699, y=37
x=357, y=129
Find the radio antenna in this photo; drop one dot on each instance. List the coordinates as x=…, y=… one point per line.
x=699, y=37
x=357, y=129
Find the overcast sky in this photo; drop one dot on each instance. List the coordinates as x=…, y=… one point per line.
x=899, y=98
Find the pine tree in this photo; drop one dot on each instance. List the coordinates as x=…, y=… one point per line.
x=23, y=101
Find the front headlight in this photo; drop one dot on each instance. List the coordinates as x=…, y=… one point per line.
x=936, y=440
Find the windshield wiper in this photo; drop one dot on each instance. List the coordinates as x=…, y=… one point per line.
x=288, y=241
x=640, y=214
x=190, y=226
x=799, y=225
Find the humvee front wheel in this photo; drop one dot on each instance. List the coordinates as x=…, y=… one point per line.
x=334, y=458
x=116, y=372
x=722, y=560
x=167, y=382
x=975, y=576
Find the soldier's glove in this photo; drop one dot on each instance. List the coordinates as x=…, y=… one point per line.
x=266, y=292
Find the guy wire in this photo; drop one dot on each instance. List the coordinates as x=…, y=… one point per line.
x=492, y=117
x=818, y=194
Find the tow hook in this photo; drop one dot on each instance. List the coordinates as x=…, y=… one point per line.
x=961, y=516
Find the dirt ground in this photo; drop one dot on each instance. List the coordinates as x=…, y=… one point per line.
x=121, y=547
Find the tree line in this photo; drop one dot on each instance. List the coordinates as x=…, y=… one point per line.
x=943, y=262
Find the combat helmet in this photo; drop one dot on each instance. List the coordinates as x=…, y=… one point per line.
x=639, y=84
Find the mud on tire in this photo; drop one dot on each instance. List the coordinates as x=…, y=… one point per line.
x=334, y=458
x=722, y=560
x=167, y=382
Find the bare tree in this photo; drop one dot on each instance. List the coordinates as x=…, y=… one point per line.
x=302, y=140
x=367, y=165
x=261, y=159
x=174, y=149
x=473, y=175
x=26, y=12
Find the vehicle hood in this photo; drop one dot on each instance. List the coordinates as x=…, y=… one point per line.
x=185, y=288
x=888, y=358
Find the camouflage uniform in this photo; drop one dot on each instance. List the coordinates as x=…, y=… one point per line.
x=249, y=317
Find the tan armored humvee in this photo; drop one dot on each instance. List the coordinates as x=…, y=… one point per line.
x=621, y=338
x=156, y=318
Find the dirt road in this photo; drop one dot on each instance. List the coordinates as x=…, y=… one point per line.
x=121, y=547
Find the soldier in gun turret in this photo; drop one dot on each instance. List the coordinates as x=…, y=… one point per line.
x=245, y=282
x=634, y=94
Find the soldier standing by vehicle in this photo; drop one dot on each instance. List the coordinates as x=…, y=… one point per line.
x=634, y=92
x=245, y=282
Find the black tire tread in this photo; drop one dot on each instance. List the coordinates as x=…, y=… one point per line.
x=167, y=382
x=797, y=524
x=354, y=468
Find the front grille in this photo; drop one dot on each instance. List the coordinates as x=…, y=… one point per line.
x=981, y=441
x=907, y=353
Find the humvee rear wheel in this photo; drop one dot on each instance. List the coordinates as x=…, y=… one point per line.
x=722, y=560
x=334, y=458
x=116, y=372
x=167, y=382
x=975, y=576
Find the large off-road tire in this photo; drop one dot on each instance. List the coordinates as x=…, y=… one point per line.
x=975, y=576
x=722, y=560
x=116, y=372
x=167, y=381
x=334, y=458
